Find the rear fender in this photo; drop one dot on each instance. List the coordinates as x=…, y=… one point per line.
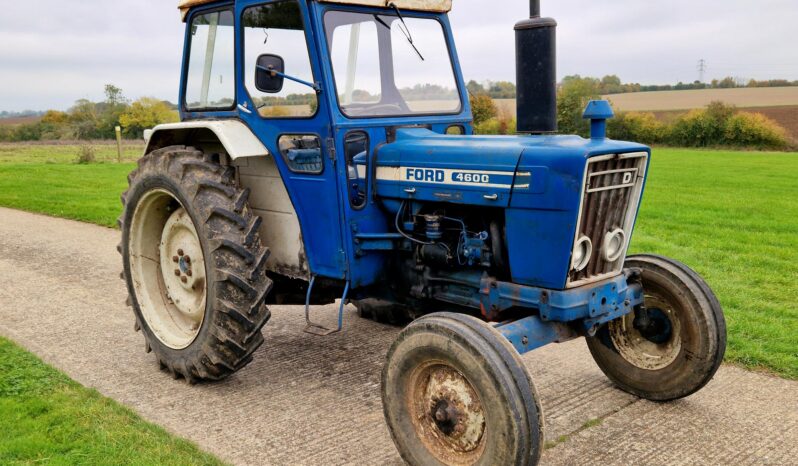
x=230, y=136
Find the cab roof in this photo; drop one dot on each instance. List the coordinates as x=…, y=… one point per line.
x=438, y=6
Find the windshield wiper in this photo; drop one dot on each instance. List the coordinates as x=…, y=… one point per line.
x=403, y=27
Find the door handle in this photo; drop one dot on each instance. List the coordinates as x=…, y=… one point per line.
x=410, y=190
x=491, y=197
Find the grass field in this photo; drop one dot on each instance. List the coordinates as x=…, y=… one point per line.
x=45, y=418
x=733, y=216
x=66, y=152
x=89, y=193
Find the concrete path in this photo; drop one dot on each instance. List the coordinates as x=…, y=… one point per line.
x=312, y=400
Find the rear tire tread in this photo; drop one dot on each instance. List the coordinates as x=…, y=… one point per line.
x=236, y=318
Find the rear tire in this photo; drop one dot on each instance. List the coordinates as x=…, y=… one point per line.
x=456, y=393
x=193, y=264
x=681, y=346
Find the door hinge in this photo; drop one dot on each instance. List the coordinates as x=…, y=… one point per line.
x=331, y=148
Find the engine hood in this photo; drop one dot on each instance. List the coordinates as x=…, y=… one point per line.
x=499, y=171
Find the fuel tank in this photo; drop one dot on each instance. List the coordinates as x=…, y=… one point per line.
x=426, y=166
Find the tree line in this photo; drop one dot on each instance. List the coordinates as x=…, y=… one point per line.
x=717, y=125
x=87, y=120
x=612, y=84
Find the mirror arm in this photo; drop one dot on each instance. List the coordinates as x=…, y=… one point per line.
x=315, y=86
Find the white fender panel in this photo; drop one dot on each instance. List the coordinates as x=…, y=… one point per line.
x=237, y=139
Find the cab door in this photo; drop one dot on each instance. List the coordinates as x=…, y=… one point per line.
x=293, y=122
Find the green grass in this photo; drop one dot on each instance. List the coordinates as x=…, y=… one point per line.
x=81, y=192
x=733, y=216
x=45, y=418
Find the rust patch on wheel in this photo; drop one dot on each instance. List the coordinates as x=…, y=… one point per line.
x=446, y=413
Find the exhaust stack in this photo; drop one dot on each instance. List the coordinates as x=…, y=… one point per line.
x=536, y=72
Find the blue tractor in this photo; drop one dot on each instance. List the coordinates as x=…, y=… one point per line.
x=326, y=151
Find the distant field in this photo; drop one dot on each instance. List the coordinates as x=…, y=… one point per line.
x=730, y=215
x=759, y=98
x=780, y=104
x=686, y=100
x=19, y=120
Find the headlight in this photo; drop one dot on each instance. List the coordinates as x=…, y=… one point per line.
x=614, y=245
x=581, y=255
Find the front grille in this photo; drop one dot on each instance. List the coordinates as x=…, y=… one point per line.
x=610, y=197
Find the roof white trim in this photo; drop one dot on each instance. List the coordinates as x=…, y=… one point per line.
x=185, y=5
x=438, y=6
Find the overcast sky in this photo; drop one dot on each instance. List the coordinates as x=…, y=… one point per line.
x=53, y=52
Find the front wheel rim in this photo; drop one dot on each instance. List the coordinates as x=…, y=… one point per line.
x=167, y=269
x=447, y=413
x=639, y=350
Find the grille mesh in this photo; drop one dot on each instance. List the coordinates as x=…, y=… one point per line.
x=609, y=196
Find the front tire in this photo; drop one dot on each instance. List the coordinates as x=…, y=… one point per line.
x=673, y=346
x=456, y=393
x=193, y=264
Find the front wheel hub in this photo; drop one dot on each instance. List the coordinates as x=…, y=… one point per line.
x=653, y=325
x=649, y=338
x=448, y=413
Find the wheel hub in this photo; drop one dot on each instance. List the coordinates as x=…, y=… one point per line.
x=447, y=413
x=650, y=338
x=446, y=417
x=167, y=269
x=183, y=276
x=653, y=324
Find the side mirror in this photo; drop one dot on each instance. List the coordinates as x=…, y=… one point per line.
x=269, y=73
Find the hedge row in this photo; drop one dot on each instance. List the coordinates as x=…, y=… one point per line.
x=717, y=125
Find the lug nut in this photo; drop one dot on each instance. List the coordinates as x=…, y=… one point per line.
x=189, y=273
x=180, y=252
x=177, y=272
x=175, y=259
x=184, y=279
x=188, y=259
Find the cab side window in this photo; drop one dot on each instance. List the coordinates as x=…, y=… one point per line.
x=277, y=28
x=210, y=77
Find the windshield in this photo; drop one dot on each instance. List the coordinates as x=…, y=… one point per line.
x=380, y=72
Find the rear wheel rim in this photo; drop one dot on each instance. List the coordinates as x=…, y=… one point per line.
x=446, y=413
x=168, y=269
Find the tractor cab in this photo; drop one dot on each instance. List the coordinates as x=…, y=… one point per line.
x=321, y=85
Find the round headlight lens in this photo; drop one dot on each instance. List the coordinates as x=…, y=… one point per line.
x=614, y=245
x=581, y=255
